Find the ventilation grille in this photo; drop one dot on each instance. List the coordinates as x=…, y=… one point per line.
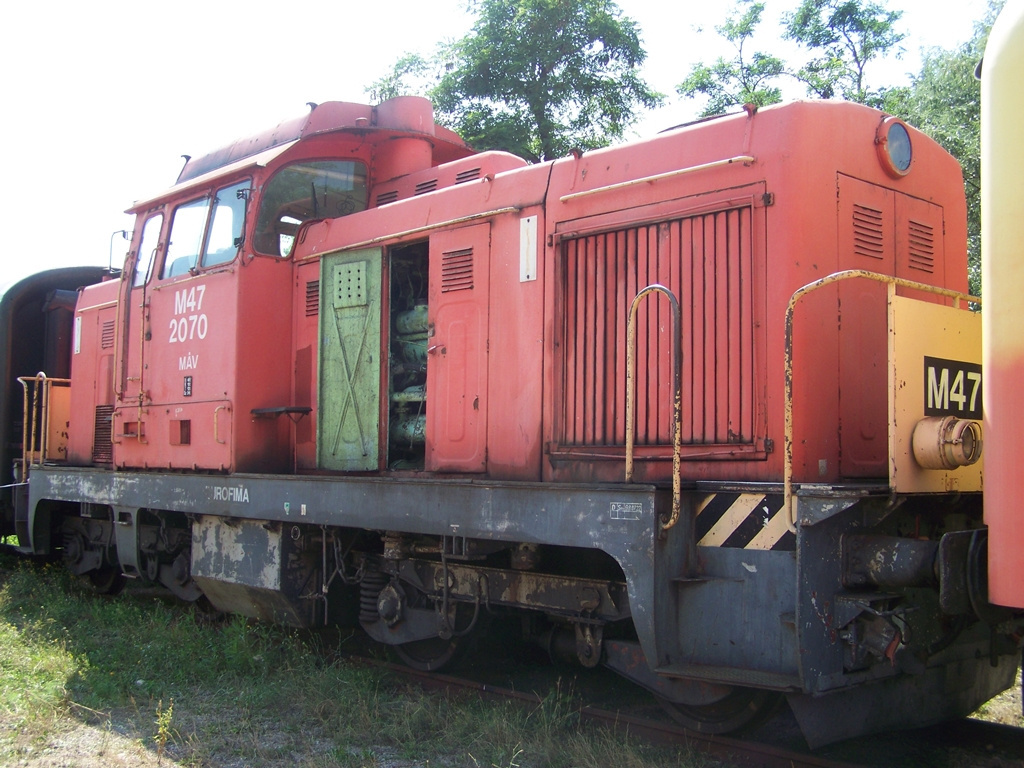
x=350, y=288
x=469, y=175
x=457, y=270
x=706, y=261
x=426, y=186
x=102, y=444
x=312, y=298
x=387, y=197
x=107, y=335
x=921, y=246
x=868, y=234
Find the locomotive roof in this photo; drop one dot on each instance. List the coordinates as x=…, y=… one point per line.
x=405, y=115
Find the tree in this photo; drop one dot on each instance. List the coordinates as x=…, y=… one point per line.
x=944, y=101
x=539, y=78
x=742, y=79
x=842, y=36
x=411, y=75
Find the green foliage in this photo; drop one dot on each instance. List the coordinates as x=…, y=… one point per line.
x=744, y=78
x=411, y=75
x=538, y=78
x=944, y=101
x=842, y=37
x=164, y=717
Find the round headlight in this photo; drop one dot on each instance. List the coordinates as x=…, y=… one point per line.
x=894, y=149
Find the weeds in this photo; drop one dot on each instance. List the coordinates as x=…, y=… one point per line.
x=163, y=726
x=242, y=692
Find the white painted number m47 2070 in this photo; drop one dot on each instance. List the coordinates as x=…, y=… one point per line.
x=189, y=322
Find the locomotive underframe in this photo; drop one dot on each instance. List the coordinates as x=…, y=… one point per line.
x=799, y=620
x=256, y=539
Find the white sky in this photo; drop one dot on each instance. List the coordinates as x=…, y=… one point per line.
x=100, y=99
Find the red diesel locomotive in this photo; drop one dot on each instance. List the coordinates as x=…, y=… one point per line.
x=704, y=408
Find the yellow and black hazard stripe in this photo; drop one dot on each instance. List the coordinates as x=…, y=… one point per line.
x=744, y=521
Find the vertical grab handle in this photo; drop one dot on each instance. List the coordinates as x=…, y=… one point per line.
x=216, y=423
x=677, y=393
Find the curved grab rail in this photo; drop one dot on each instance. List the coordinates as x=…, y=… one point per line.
x=677, y=373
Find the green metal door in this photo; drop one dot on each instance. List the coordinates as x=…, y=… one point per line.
x=348, y=423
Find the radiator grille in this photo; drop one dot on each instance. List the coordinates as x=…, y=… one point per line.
x=706, y=261
x=102, y=445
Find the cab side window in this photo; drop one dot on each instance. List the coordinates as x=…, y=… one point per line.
x=186, y=237
x=306, y=191
x=147, y=249
x=227, y=221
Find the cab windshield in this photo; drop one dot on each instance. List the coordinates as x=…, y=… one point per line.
x=304, y=191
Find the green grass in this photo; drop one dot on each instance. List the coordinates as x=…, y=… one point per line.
x=151, y=675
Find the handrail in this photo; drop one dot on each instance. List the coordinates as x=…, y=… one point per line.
x=35, y=426
x=744, y=159
x=892, y=283
x=677, y=415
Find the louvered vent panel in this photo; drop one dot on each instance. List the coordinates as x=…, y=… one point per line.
x=921, y=246
x=107, y=335
x=426, y=186
x=468, y=175
x=312, y=298
x=457, y=271
x=387, y=197
x=102, y=443
x=868, y=234
x=706, y=261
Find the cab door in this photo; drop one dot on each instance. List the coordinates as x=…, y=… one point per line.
x=176, y=406
x=136, y=282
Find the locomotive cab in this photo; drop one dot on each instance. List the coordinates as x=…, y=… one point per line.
x=195, y=371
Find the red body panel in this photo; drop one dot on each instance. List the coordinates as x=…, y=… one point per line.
x=525, y=376
x=92, y=374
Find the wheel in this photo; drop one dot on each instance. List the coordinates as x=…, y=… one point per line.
x=106, y=580
x=436, y=653
x=430, y=655
x=740, y=708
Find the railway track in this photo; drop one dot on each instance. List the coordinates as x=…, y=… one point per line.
x=965, y=743
x=657, y=730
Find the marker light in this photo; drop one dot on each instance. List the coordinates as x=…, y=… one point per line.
x=894, y=149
